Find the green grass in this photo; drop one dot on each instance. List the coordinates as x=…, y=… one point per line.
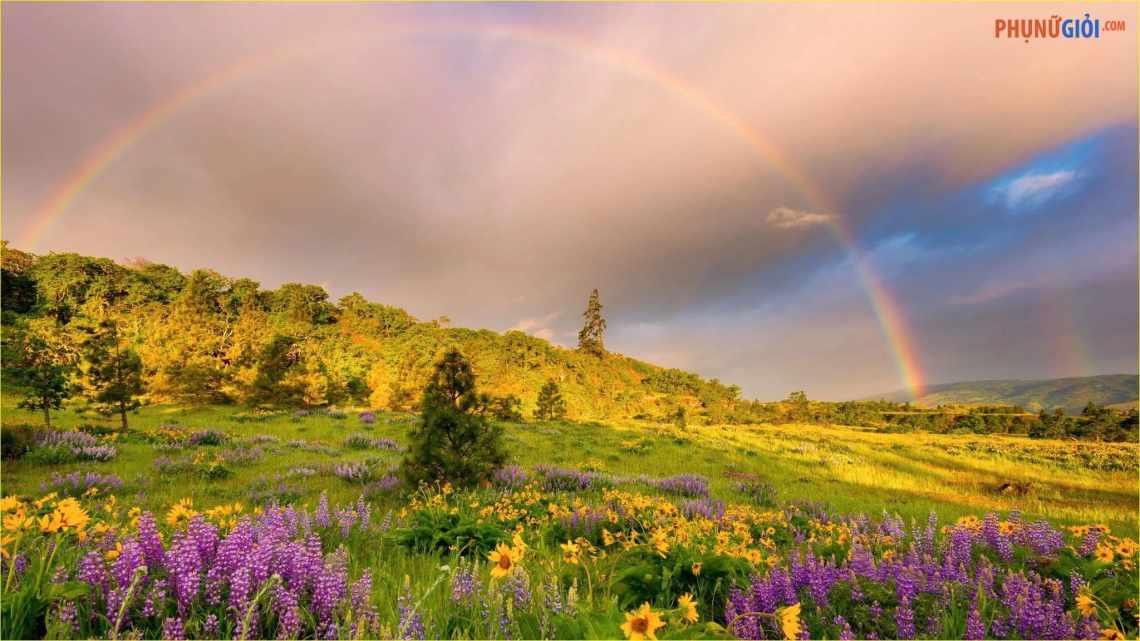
x=849, y=470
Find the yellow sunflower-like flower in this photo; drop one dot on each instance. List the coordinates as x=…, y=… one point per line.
x=1126, y=548
x=182, y=510
x=1111, y=633
x=504, y=559
x=790, y=621
x=570, y=552
x=697, y=568
x=642, y=623
x=10, y=504
x=1104, y=554
x=1086, y=605
x=607, y=538
x=688, y=608
x=72, y=514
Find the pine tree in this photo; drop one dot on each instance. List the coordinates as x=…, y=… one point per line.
x=551, y=406
x=114, y=372
x=454, y=442
x=591, y=338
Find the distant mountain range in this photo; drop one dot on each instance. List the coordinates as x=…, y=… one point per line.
x=1069, y=393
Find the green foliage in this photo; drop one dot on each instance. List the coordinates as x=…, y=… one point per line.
x=114, y=372
x=501, y=408
x=454, y=442
x=591, y=338
x=431, y=530
x=550, y=405
x=646, y=576
x=40, y=369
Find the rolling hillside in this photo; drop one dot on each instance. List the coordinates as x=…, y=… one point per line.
x=1069, y=393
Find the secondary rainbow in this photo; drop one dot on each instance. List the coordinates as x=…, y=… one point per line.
x=889, y=315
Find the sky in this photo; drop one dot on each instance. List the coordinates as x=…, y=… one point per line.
x=843, y=199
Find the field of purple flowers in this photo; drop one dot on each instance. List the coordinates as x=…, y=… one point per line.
x=547, y=553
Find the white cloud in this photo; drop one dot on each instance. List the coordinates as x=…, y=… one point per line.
x=788, y=218
x=538, y=327
x=1032, y=190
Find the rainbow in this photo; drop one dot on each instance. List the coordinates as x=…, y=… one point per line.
x=888, y=314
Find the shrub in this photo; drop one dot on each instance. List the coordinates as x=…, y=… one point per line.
x=437, y=531
x=15, y=441
x=206, y=437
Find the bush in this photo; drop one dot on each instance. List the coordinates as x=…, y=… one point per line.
x=15, y=441
x=438, y=531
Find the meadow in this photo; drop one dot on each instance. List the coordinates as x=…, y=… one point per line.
x=751, y=531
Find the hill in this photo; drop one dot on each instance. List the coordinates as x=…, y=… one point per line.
x=1072, y=394
x=208, y=338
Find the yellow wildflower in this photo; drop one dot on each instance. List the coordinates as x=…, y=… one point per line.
x=688, y=608
x=503, y=558
x=790, y=621
x=642, y=623
x=1104, y=553
x=570, y=552
x=697, y=568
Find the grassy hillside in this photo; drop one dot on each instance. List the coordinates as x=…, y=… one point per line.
x=1072, y=394
x=847, y=469
x=207, y=338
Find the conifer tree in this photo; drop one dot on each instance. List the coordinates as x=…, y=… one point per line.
x=591, y=338
x=551, y=406
x=454, y=442
x=114, y=372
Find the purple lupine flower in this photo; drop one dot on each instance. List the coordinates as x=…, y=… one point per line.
x=411, y=625
x=285, y=603
x=904, y=620
x=975, y=627
x=464, y=585
x=150, y=542
x=93, y=572
x=368, y=418
x=684, y=484
x=363, y=512
x=210, y=627
x=172, y=629
x=845, y=633
x=510, y=476
x=322, y=515
x=69, y=615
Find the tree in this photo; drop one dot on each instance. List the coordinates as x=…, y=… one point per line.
x=798, y=407
x=114, y=372
x=453, y=442
x=591, y=338
x=42, y=372
x=274, y=363
x=551, y=406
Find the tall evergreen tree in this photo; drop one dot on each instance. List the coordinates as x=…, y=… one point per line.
x=114, y=372
x=591, y=338
x=551, y=406
x=454, y=442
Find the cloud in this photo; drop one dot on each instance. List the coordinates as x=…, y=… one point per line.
x=1033, y=190
x=540, y=327
x=788, y=218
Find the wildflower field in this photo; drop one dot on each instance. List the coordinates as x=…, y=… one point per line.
x=216, y=522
